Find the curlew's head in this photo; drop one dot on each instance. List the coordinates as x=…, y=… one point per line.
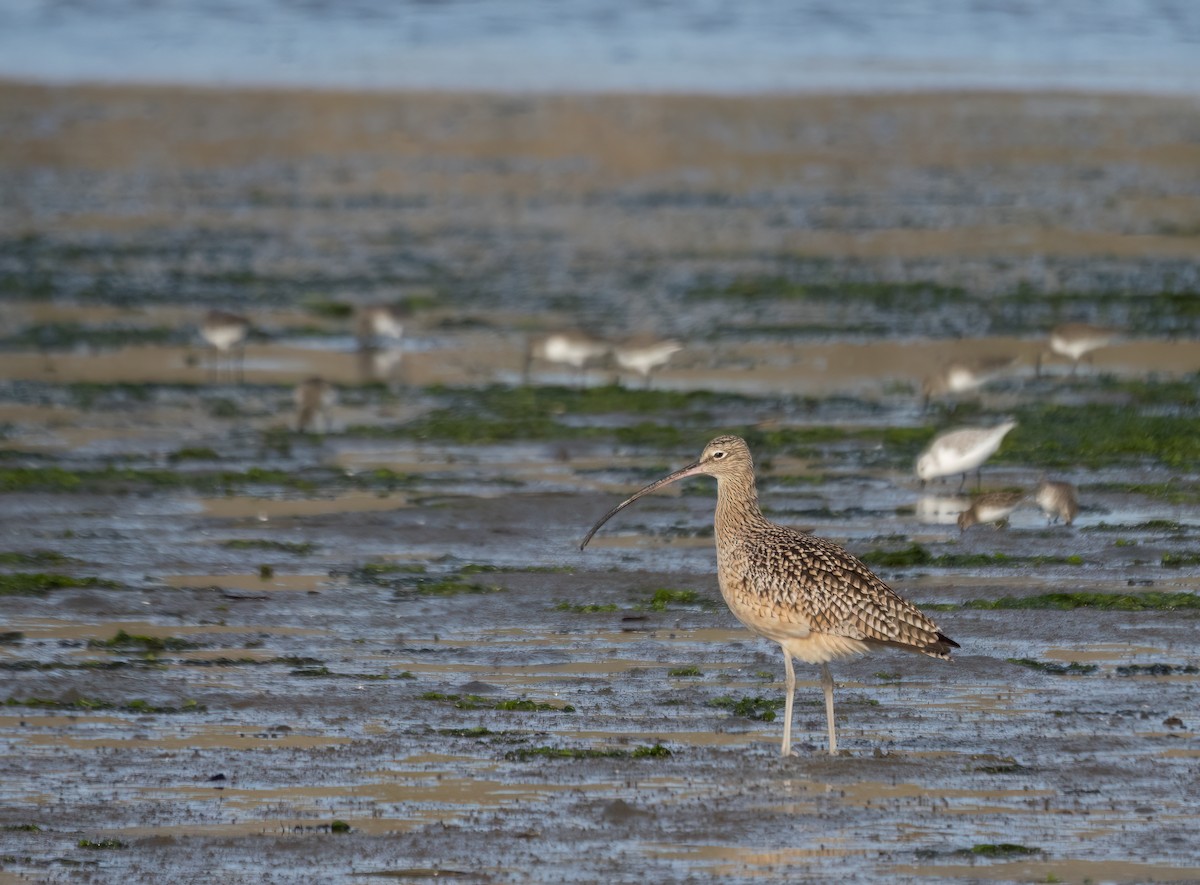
x=725, y=456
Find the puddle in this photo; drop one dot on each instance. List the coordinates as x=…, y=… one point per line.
x=265, y=509
x=39, y=628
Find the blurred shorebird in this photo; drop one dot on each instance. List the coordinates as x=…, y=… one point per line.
x=806, y=593
x=645, y=357
x=1057, y=500
x=963, y=376
x=378, y=329
x=1076, y=341
x=994, y=507
x=376, y=321
x=314, y=398
x=961, y=451
x=226, y=333
x=572, y=349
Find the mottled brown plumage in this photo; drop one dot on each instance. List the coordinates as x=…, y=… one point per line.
x=993, y=507
x=806, y=593
x=1057, y=500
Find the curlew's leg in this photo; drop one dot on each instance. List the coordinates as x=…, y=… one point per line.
x=787, y=704
x=827, y=684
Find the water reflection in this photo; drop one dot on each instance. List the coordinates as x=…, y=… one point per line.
x=225, y=333
x=940, y=509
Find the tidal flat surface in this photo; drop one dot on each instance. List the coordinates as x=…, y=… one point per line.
x=236, y=652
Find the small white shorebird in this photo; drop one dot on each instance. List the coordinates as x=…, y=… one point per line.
x=645, y=357
x=572, y=349
x=963, y=376
x=375, y=321
x=994, y=507
x=1076, y=341
x=375, y=324
x=1057, y=500
x=960, y=451
x=806, y=593
x=226, y=333
x=314, y=398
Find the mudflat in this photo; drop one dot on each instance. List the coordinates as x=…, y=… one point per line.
x=237, y=652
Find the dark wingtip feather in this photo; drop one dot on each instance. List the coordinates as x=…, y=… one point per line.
x=941, y=646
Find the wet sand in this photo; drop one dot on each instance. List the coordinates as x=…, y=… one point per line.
x=452, y=703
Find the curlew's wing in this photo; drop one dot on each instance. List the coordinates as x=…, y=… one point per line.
x=837, y=594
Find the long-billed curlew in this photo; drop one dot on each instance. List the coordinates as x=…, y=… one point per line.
x=226, y=333
x=994, y=507
x=806, y=593
x=1057, y=500
x=960, y=451
x=1076, y=341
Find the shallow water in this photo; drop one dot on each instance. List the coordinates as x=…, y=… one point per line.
x=678, y=45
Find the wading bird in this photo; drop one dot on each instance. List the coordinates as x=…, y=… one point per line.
x=806, y=593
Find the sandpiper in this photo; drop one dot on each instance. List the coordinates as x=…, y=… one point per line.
x=645, y=357
x=375, y=321
x=378, y=330
x=1076, y=341
x=993, y=507
x=226, y=333
x=963, y=376
x=572, y=349
x=1057, y=500
x=960, y=451
x=314, y=397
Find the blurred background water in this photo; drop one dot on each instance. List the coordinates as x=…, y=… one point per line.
x=667, y=45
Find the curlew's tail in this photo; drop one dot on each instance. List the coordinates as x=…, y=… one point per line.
x=943, y=645
x=935, y=648
x=939, y=648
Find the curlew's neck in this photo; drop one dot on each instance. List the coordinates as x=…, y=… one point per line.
x=737, y=504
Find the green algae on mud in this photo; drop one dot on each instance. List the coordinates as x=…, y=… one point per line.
x=478, y=702
x=762, y=709
x=1126, y=602
x=1096, y=435
x=665, y=597
x=97, y=704
x=525, y=754
x=1074, y=668
x=122, y=641
x=102, y=844
x=131, y=480
x=302, y=548
x=36, y=557
x=915, y=555
x=41, y=583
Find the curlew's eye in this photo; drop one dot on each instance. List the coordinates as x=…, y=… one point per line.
x=718, y=455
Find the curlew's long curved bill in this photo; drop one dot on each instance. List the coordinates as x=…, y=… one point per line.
x=683, y=472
